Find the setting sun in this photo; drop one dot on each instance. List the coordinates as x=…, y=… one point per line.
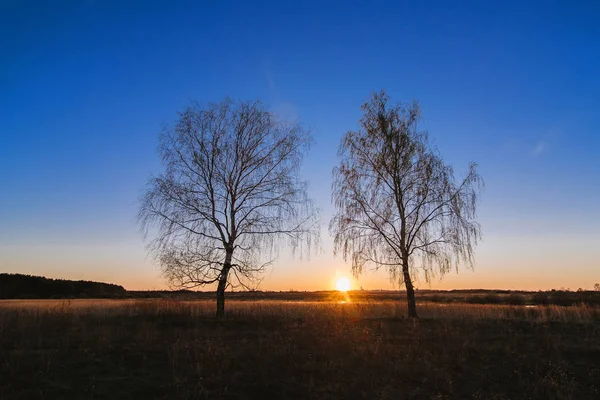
x=343, y=284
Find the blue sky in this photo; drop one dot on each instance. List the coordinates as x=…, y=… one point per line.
x=86, y=85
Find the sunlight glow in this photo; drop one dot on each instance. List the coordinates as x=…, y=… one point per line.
x=343, y=284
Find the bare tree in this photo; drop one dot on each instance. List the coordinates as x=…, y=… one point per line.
x=230, y=192
x=397, y=202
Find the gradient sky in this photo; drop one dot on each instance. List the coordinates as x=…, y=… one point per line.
x=86, y=85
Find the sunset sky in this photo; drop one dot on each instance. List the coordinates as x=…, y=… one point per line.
x=86, y=85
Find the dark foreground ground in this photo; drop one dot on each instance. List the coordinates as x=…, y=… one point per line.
x=168, y=349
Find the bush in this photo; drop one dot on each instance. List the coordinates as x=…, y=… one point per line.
x=540, y=298
x=488, y=298
x=515, y=299
x=561, y=298
x=492, y=298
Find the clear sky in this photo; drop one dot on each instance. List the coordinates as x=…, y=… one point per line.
x=86, y=85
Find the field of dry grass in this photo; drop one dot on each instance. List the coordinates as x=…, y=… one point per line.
x=173, y=349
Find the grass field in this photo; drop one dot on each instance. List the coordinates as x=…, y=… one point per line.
x=173, y=349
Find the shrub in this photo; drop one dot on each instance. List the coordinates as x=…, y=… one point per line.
x=492, y=298
x=515, y=299
x=561, y=298
x=540, y=298
x=488, y=298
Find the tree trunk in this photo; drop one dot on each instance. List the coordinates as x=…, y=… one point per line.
x=410, y=292
x=223, y=285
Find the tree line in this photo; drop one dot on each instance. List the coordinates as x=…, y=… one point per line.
x=230, y=195
x=19, y=286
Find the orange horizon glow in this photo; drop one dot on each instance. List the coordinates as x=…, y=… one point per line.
x=519, y=263
x=150, y=279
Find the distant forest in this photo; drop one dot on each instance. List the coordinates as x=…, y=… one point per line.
x=18, y=286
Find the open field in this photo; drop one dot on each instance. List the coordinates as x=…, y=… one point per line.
x=165, y=349
x=472, y=296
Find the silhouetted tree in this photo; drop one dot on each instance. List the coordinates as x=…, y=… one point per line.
x=229, y=193
x=397, y=202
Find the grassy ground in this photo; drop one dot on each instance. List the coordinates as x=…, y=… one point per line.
x=472, y=296
x=169, y=349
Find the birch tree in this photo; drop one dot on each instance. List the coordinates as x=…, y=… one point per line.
x=398, y=204
x=229, y=196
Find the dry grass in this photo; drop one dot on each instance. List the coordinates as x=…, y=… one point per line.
x=80, y=349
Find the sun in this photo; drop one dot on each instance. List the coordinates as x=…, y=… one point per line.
x=343, y=284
